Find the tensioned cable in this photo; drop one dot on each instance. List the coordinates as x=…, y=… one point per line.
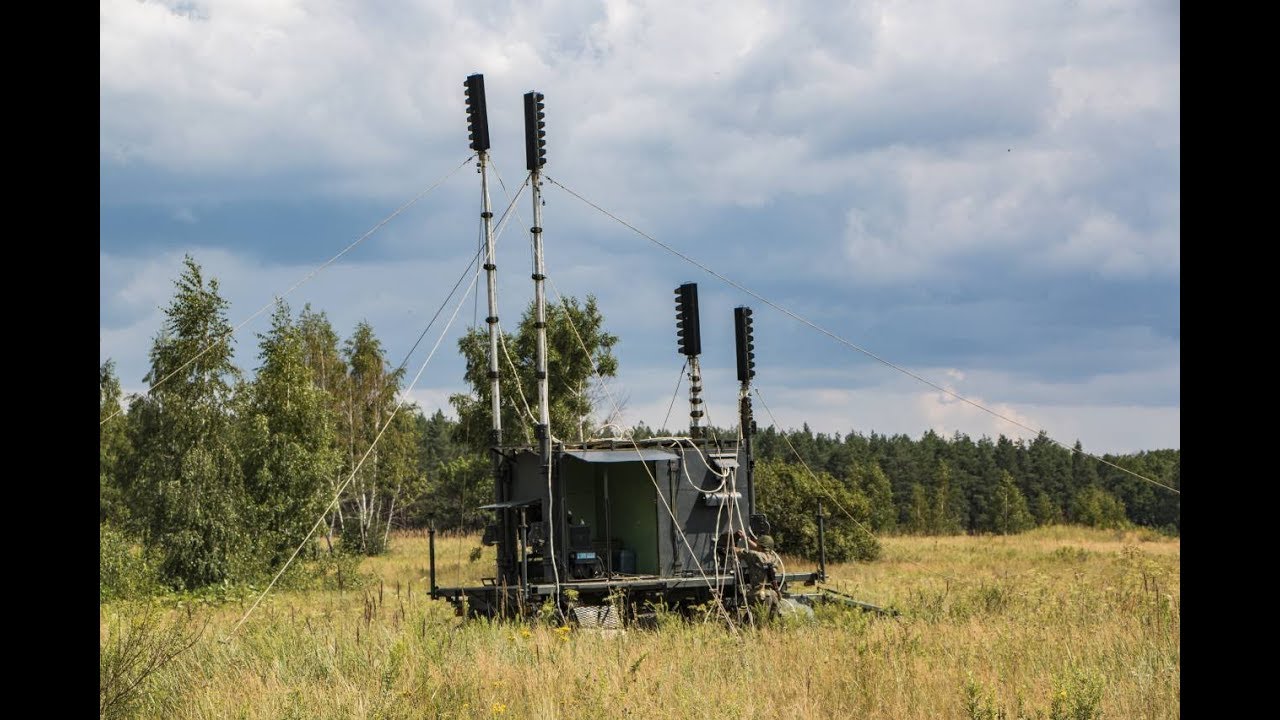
x=502, y=220
x=807, y=469
x=674, y=394
x=524, y=421
x=845, y=342
x=399, y=404
x=475, y=258
x=337, y=495
x=427, y=329
x=828, y=492
x=377, y=226
x=475, y=308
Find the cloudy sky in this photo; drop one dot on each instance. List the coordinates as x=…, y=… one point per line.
x=985, y=193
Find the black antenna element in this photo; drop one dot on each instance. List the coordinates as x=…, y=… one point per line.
x=687, y=331
x=535, y=144
x=477, y=113
x=745, y=336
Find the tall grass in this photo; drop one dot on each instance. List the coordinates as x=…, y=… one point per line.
x=1055, y=623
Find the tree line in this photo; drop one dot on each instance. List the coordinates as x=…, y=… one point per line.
x=219, y=478
x=939, y=485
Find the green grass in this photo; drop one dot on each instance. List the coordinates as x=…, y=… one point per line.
x=1055, y=623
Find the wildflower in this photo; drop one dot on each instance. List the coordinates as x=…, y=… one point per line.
x=499, y=708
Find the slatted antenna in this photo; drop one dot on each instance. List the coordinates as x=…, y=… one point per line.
x=689, y=339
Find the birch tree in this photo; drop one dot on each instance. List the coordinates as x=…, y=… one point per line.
x=186, y=488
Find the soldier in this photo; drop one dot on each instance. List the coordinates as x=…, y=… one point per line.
x=759, y=563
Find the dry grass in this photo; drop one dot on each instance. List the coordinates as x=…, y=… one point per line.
x=1056, y=623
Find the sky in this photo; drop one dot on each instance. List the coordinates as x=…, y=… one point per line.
x=985, y=193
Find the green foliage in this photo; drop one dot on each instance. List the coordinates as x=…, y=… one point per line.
x=1096, y=507
x=386, y=469
x=437, y=442
x=123, y=570
x=1084, y=470
x=936, y=509
x=980, y=703
x=1011, y=514
x=939, y=484
x=113, y=448
x=570, y=374
x=789, y=495
x=945, y=507
x=185, y=487
x=1077, y=696
x=287, y=452
x=873, y=483
x=438, y=449
x=221, y=479
x=340, y=570
x=919, y=514
x=329, y=374
x=1145, y=504
x=1045, y=511
x=454, y=490
x=1049, y=468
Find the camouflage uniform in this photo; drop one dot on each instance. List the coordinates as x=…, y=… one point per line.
x=756, y=565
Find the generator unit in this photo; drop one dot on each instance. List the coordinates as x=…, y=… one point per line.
x=647, y=521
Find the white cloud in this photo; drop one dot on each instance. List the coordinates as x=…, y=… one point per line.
x=940, y=145
x=1101, y=428
x=1107, y=244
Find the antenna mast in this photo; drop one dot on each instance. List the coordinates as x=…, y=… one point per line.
x=478, y=124
x=535, y=150
x=744, y=340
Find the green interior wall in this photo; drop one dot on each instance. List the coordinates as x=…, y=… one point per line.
x=633, y=517
x=580, y=494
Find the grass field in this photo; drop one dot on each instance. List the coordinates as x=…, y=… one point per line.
x=1061, y=622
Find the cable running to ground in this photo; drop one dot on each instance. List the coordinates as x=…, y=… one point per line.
x=338, y=494
x=828, y=491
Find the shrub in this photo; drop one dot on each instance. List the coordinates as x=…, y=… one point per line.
x=138, y=641
x=789, y=495
x=123, y=569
